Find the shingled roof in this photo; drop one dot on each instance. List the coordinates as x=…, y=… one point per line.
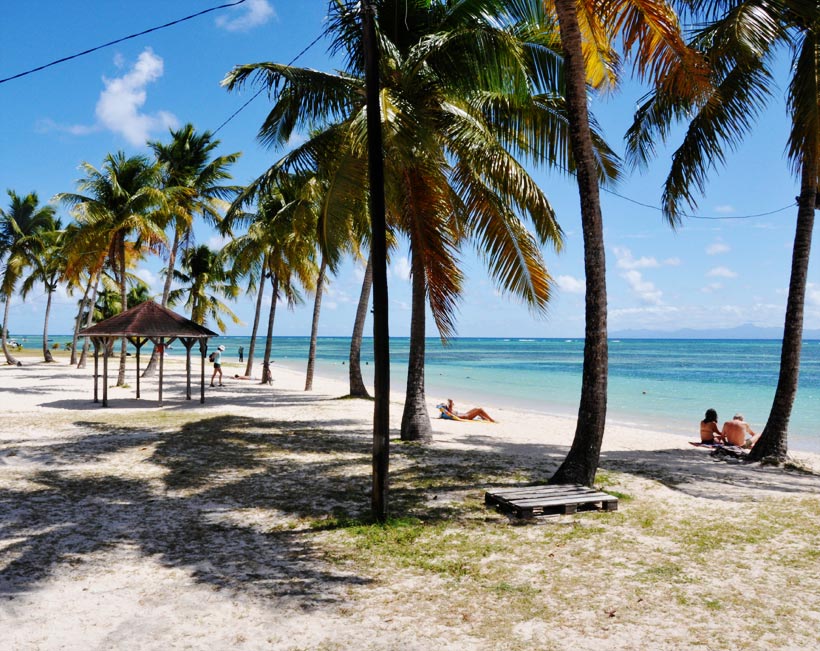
x=148, y=319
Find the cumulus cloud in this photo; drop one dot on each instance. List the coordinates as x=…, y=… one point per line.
x=717, y=247
x=152, y=280
x=721, y=272
x=571, y=284
x=645, y=290
x=246, y=16
x=711, y=287
x=401, y=268
x=218, y=242
x=119, y=108
x=625, y=260
x=672, y=262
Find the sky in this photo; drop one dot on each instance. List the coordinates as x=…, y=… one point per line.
x=721, y=270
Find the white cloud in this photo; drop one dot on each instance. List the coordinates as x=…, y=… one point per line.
x=401, y=268
x=721, y=272
x=121, y=101
x=672, y=262
x=813, y=294
x=151, y=279
x=717, y=247
x=217, y=242
x=711, y=287
x=45, y=125
x=724, y=209
x=571, y=284
x=247, y=16
x=626, y=261
x=646, y=290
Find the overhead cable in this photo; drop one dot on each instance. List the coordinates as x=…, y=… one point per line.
x=119, y=40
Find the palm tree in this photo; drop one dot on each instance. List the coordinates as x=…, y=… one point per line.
x=22, y=228
x=49, y=267
x=741, y=42
x=194, y=183
x=123, y=200
x=204, y=282
x=588, y=34
x=454, y=126
x=357, y=387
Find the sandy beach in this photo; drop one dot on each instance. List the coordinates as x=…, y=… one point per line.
x=242, y=524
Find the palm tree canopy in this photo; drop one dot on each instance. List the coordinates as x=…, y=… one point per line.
x=455, y=130
x=22, y=228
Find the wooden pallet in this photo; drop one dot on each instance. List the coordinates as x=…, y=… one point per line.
x=531, y=501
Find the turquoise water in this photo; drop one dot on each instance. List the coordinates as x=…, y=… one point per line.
x=653, y=383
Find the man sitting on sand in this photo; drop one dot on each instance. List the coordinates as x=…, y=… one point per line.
x=448, y=412
x=739, y=432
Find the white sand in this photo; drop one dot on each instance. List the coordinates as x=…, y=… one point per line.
x=74, y=574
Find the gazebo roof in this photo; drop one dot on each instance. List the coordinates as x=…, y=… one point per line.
x=148, y=319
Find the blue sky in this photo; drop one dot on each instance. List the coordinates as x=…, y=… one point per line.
x=709, y=273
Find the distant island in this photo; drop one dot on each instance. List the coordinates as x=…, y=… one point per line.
x=745, y=331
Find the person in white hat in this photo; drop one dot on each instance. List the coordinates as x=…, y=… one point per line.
x=216, y=358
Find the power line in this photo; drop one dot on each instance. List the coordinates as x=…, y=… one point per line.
x=691, y=216
x=119, y=40
x=261, y=90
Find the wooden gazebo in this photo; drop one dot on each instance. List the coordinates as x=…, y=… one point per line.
x=141, y=324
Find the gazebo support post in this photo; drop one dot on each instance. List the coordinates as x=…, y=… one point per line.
x=96, y=343
x=203, y=351
x=138, y=343
x=188, y=342
x=161, y=366
x=105, y=374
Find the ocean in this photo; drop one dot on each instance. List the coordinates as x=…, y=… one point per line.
x=654, y=384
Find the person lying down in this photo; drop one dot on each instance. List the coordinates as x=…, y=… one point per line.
x=448, y=412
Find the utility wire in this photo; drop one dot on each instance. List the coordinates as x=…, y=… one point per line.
x=261, y=90
x=120, y=40
x=690, y=216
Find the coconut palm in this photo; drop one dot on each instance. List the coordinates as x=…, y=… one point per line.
x=460, y=84
x=741, y=43
x=279, y=246
x=49, y=266
x=589, y=33
x=123, y=201
x=22, y=230
x=204, y=281
x=194, y=182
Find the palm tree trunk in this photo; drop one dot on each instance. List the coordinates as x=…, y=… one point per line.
x=256, y=317
x=581, y=463
x=314, y=329
x=151, y=367
x=267, y=376
x=773, y=441
x=357, y=387
x=124, y=307
x=9, y=357
x=89, y=321
x=78, y=320
x=415, y=421
x=46, y=352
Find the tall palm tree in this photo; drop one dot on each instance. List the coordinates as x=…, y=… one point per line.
x=204, y=282
x=49, y=266
x=194, y=181
x=22, y=228
x=123, y=200
x=741, y=43
x=589, y=32
x=469, y=86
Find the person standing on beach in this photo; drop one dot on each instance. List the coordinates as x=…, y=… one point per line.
x=739, y=432
x=709, y=431
x=217, y=359
x=241, y=354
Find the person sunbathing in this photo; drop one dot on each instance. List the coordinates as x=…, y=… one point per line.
x=447, y=411
x=738, y=432
x=709, y=431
